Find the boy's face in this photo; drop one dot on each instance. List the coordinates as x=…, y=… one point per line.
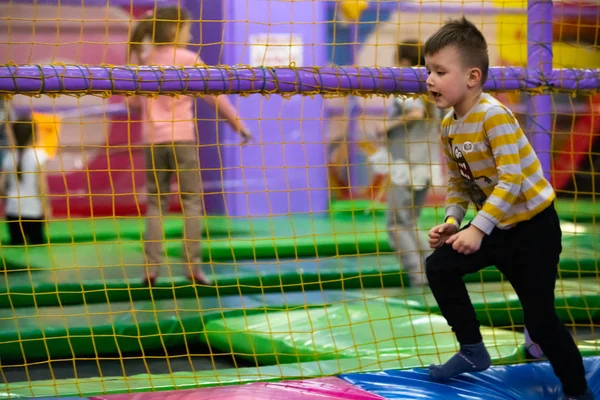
x=449, y=81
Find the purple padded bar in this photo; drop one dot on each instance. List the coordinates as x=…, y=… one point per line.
x=98, y=3
x=576, y=79
x=211, y=80
x=539, y=59
x=584, y=10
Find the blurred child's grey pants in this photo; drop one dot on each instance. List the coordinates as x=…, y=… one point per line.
x=410, y=244
x=162, y=162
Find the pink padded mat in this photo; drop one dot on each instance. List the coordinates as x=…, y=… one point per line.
x=330, y=388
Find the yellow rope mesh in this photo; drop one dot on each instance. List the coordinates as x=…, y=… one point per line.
x=292, y=228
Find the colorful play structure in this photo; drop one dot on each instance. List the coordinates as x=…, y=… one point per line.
x=307, y=297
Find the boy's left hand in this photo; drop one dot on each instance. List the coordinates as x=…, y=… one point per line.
x=246, y=136
x=467, y=241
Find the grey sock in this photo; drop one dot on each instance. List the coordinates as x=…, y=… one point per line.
x=470, y=358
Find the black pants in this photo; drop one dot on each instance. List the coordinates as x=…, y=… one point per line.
x=25, y=231
x=528, y=255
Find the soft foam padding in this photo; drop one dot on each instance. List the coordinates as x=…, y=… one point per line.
x=67, y=273
x=377, y=329
x=578, y=210
x=513, y=382
x=107, y=228
x=92, y=330
x=329, y=388
x=68, y=398
x=107, y=271
x=569, y=210
x=74, y=259
x=590, y=347
x=190, y=380
x=497, y=304
x=579, y=237
x=72, y=325
x=101, y=386
x=94, y=273
x=300, y=236
x=91, y=273
x=268, y=238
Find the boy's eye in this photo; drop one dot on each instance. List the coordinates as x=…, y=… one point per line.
x=440, y=73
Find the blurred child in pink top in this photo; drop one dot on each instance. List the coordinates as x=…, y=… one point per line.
x=170, y=130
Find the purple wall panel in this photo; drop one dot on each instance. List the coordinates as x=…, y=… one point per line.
x=284, y=170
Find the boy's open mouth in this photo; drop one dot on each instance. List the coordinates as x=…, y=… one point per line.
x=435, y=94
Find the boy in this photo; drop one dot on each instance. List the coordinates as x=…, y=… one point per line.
x=412, y=147
x=516, y=228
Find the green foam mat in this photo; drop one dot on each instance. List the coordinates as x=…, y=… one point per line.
x=105, y=271
x=578, y=210
x=567, y=209
x=363, y=328
x=589, y=347
x=73, y=258
x=277, y=237
x=497, y=304
x=109, y=228
x=89, y=387
x=300, y=237
x=100, y=329
x=75, y=283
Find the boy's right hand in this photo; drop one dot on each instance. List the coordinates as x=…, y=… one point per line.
x=440, y=233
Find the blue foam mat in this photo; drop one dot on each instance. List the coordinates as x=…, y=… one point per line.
x=534, y=381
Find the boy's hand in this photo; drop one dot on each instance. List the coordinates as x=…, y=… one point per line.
x=439, y=234
x=467, y=241
x=246, y=136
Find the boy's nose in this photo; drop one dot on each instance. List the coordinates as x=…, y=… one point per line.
x=429, y=81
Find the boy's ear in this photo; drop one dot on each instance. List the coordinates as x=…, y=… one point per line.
x=474, y=77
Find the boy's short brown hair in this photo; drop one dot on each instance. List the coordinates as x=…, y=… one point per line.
x=411, y=50
x=468, y=40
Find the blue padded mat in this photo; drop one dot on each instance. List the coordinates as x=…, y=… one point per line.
x=534, y=381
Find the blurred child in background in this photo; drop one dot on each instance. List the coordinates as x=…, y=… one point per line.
x=170, y=130
x=412, y=147
x=7, y=117
x=25, y=187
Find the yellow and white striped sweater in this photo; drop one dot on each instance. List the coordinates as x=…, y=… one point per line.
x=491, y=163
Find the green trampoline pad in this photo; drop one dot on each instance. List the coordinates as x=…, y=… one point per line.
x=97, y=329
x=578, y=210
x=497, y=304
x=75, y=280
x=132, y=228
x=567, y=209
x=374, y=329
x=89, y=387
x=589, y=347
x=110, y=271
x=102, y=329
